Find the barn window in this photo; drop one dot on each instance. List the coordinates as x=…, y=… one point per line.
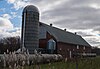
x=77, y=46
x=60, y=49
x=73, y=50
x=84, y=48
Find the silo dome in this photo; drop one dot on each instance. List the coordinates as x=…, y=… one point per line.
x=31, y=8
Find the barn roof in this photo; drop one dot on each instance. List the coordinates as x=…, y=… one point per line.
x=61, y=35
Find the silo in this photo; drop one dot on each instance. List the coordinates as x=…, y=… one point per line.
x=30, y=28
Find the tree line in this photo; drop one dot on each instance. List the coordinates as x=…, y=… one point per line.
x=13, y=44
x=9, y=43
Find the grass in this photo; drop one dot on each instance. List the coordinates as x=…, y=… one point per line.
x=88, y=63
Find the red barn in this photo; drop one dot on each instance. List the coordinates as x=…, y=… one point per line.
x=64, y=42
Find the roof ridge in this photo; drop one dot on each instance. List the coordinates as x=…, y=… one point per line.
x=59, y=29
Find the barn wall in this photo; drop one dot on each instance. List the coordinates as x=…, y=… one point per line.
x=42, y=43
x=65, y=48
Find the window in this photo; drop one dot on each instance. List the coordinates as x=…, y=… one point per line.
x=84, y=48
x=77, y=46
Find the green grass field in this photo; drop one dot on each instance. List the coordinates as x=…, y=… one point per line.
x=88, y=63
x=93, y=63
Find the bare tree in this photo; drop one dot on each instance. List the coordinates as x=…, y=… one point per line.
x=10, y=43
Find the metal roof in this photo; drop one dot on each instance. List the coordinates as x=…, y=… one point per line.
x=31, y=8
x=61, y=35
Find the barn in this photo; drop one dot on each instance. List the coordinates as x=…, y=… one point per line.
x=47, y=38
x=55, y=40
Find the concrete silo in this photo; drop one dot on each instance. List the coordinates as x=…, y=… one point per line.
x=30, y=28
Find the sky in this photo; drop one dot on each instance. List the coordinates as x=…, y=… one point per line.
x=81, y=16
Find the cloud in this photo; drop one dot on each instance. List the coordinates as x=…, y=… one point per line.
x=82, y=17
x=8, y=33
x=14, y=14
x=11, y=1
x=5, y=23
x=95, y=5
x=6, y=16
x=7, y=29
x=17, y=4
x=93, y=40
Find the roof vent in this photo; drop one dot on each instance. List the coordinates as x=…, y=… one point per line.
x=40, y=24
x=51, y=24
x=64, y=29
x=76, y=33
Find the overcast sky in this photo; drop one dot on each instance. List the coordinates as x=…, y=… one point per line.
x=81, y=16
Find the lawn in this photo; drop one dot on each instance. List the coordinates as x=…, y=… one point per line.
x=89, y=63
